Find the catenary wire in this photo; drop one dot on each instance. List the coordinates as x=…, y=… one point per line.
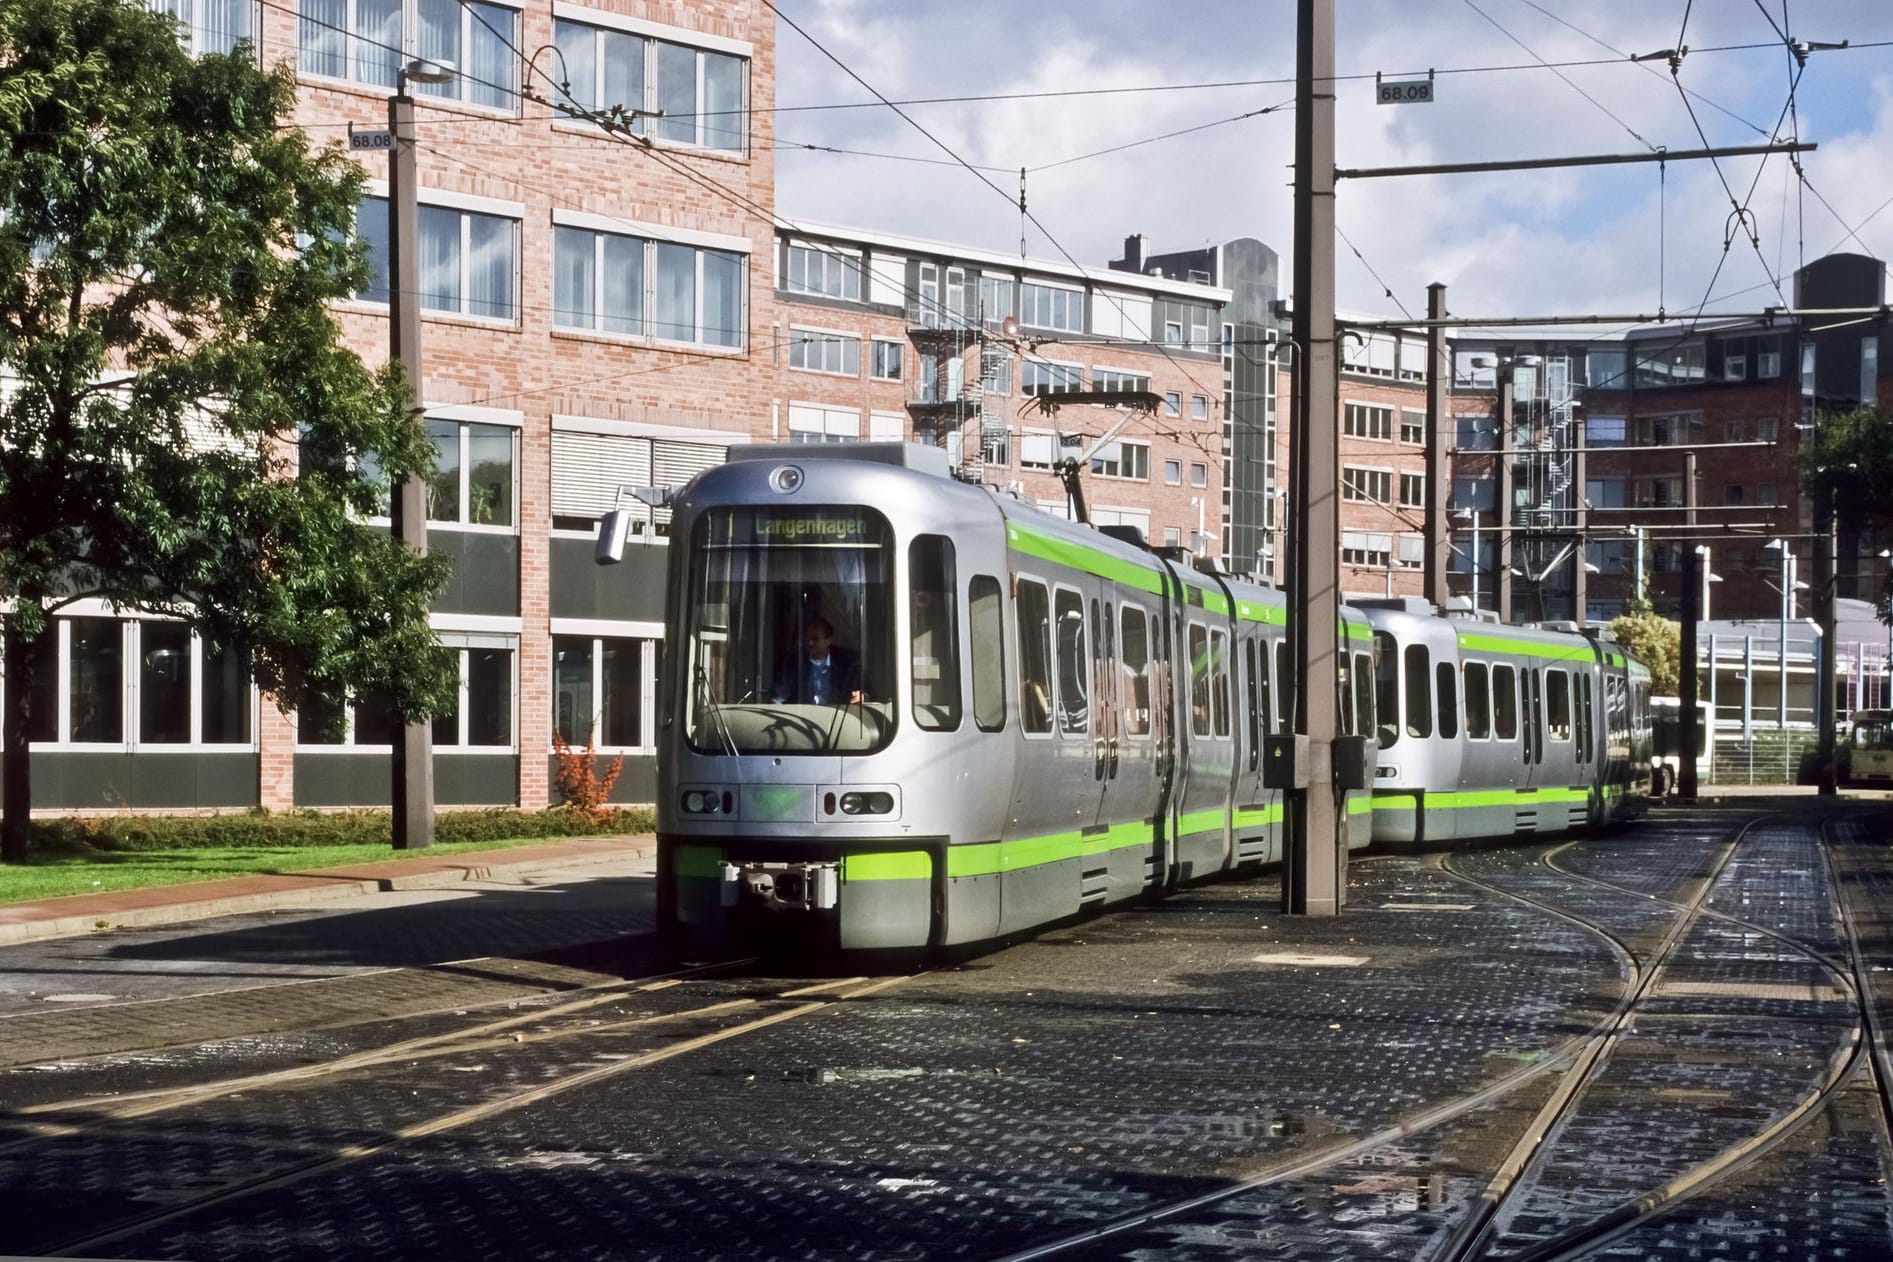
x=1471, y=4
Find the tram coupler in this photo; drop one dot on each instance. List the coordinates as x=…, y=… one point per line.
x=782, y=887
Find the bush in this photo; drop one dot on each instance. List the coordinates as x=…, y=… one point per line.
x=264, y=829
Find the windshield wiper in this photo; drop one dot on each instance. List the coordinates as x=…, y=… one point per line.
x=716, y=713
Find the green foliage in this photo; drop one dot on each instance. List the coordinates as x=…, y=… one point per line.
x=1849, y=455
x=262, y=829
x=1655, y=641
x=186, y=421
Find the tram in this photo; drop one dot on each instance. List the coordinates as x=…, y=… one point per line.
x=906, y=712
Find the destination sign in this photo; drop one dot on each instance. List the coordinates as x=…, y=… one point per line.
x=813, y=527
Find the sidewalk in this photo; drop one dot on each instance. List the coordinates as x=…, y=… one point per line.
x=168, y=904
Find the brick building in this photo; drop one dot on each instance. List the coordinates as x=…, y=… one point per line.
x=603, y=311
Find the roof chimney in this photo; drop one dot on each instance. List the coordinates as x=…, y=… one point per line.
x=1134, y=252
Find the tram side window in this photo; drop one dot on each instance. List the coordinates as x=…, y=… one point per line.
x=1074, y=664
x=1035, y=657
x=1584, y=717
x=1387, y=687
x=985, y=623
x=1254, y=696
x=1505, y=694
x=1219, y=690
x=1199, y=680
x=1478, y=702
x=1284, y=678
x=1265, y=713
x=1557, y=705
x=1419, y=703
x=935, y=629
x=1344, y=696
x=1134, y=644
x=1448, y=690
x=1363, y=694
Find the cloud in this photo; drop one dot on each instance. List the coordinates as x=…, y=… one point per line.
x=1534, y=242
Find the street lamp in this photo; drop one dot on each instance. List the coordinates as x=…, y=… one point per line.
x=1702, y=550
x=1787, y=589
x=413, y=762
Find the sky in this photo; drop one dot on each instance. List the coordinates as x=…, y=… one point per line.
x=1622, y=240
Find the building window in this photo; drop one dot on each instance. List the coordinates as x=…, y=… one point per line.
x=887, y=360
x=995, y=369
x=1767, y=429
x=814, y=423
x=1735, y=431
x=469, y=261
x=1123, y=460
x=1413, y=490
x=482, y=714
x=1659, y=492
x=624, y=284
x=995, y=446
x=363, y=41
x=674, y=92
x=1671, y=366
x=816, y=351
x=1173, y=473
x=1365, y=420
x=473, y=479
x=1046, y=307
x=1362, y=548
x=823, y=273
x=1667, y=431
x=1766, y=496
x=211, y=26
x=1476, y=433
x=1732, y=494
x=177, y=690
x=1172, y=536
x=1172, y=403
x=1199, y=475
x=1604, y=370
x=995, y=298
x=1116, y=380
x=1038, y=449
x=1605, y=431
x=1038, y=376
x=1412, y=427
x=601, y=686
x=1366, y=486
x=1173, y=333
x=1199, y=408
x=1767, y=364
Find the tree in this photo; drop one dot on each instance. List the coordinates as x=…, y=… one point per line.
x=183, y=428
x=1655, y=641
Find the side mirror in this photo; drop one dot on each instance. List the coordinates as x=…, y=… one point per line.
x=612, y=533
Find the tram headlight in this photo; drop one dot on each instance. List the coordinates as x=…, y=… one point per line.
x=867, y=803
x=705, y=802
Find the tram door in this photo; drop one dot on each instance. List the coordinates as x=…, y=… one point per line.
x=1080, y=744
x=1132, y=772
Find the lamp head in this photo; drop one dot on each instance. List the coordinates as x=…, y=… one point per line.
x=426, y=70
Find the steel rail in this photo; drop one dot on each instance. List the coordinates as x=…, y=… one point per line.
x=1637, y=1212
x=1300, y=1164
x=90, y=1242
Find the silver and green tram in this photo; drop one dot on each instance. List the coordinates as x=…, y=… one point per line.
x=1494, y=731
x=906, y=712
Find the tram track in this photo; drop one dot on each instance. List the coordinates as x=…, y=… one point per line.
x=104, y=1109
x=1580, y=1060
x=752, y=1014
x=1859, y=1048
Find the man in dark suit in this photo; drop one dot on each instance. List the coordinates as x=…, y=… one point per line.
x=827, y=674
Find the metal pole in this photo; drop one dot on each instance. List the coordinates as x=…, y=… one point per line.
x=1581, y=577
x=1824, y=584
x=1506, y=497
x=1687, y=689
x=1781, y=643
x=1477, y=560
x=1315, y=882
x=1439, y=374
x=1748, y=692
x=413, y=769
x=1638, y=532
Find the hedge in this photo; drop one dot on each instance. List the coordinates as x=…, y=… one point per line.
x=261, y=829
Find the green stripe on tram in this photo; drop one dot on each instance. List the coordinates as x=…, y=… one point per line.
x=1080, y=557
x=1250, y=611
x=897, y=865
x=1470, y=798
x=1524, y=648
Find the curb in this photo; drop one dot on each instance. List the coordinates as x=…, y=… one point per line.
x=315, y=890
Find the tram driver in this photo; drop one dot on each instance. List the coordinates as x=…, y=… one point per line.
x=825, y=674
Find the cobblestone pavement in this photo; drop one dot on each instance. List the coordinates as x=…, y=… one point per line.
x=1114, y=1066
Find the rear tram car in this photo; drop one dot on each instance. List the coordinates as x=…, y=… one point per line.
x=906, y=712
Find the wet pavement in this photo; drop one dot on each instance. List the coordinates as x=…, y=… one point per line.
x=1261, y=1085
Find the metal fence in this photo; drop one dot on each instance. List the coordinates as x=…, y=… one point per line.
x=1770, y=758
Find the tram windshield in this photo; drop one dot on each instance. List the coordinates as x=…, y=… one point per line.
x=791, y=632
